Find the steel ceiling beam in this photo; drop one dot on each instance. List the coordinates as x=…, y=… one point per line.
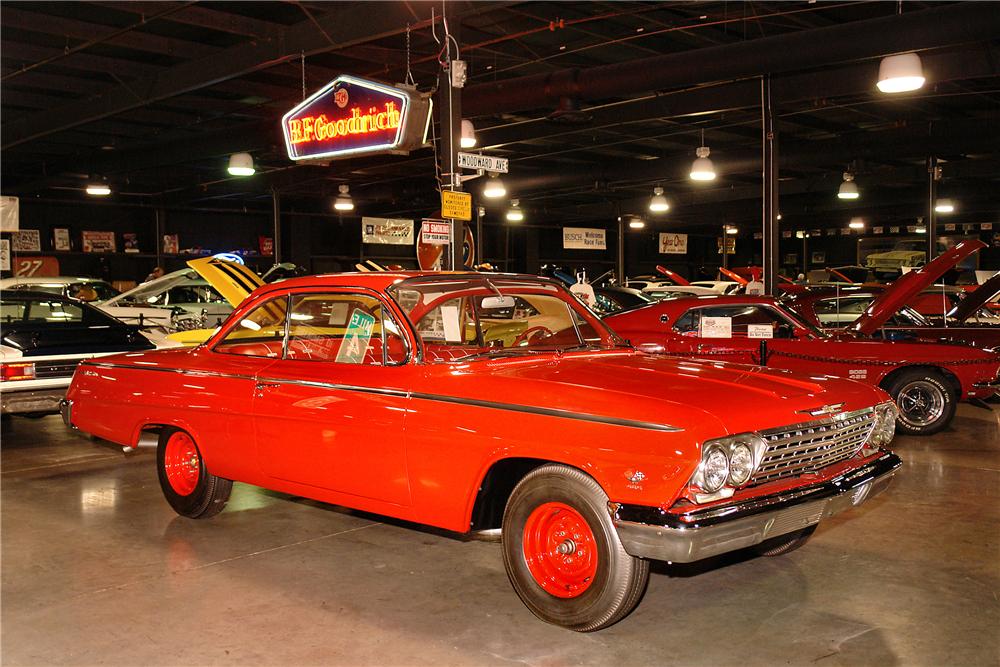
x=350, y=25
x=796, y=51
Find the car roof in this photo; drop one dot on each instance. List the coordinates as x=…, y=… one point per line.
x=382, y=280
x=31, y=295
x=39, y=280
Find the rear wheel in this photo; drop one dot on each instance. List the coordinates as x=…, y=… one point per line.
x=187, y=485
x=926, y=401
x=783, y=544
x=562, y=552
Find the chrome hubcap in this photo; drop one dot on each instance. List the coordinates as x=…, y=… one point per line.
x=920, y=403
x=567, y=547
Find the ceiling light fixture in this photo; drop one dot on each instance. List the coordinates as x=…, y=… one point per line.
x=856, y=223
x=468, y=139
x=494, y=188
x=848, y=189
x=515, y=214
x=702, y=168
x=98, y=188
x=241, y=164
x=732, y=230
x=944, y=206
x=635, y=222
x=343, y=202
x=658, y=203
x=900, y=74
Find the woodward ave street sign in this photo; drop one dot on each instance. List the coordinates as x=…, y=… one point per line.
x=484, y=162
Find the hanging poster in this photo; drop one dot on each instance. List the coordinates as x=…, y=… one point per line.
x=99, y=242
x=10, y=212
x=387, y=231
x=986, y=226
x=266, y=245
x=26, y=240
x=584, y=238
x=4, y=254
x=876, y=230
x=170, y=244
x=673, y=244
x=60, y=239
x=131, y=242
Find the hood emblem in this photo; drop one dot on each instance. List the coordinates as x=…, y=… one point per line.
x=830, y=409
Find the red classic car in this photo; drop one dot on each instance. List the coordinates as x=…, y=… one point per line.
x=485, y=401
x=908, y=306
x=925, y=379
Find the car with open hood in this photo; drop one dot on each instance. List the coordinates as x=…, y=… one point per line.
x=906, y=309
x=925, y=379
x=43, y=336
x=179, y=300
x=390, y=393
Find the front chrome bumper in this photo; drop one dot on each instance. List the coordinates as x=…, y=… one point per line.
x=649, y=532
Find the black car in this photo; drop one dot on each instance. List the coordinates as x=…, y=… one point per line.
x=43, y=337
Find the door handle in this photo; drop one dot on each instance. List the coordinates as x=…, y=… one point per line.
x=260, y=387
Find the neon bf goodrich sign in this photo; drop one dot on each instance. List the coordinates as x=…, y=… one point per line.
x=351, y=116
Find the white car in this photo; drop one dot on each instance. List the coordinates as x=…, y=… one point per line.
x=718, y=286
x=176, y=301
x=677, y=291
x=90, y=290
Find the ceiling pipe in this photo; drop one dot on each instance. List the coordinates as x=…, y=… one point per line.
x=927, y=29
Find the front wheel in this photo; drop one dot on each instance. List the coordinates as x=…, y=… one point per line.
x=562, y=552
x=926, y=401
x=187, y=485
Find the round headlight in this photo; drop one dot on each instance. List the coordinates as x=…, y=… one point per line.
x=714, y=470
x=740, y=464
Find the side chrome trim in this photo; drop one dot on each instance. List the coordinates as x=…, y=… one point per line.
x=457, y=400
x=649, y=532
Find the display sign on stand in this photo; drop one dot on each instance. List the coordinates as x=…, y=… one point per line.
x=351, y=116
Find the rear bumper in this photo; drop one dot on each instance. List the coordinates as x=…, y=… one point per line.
x=66, y=410
x=648, y=532
x=40, y=400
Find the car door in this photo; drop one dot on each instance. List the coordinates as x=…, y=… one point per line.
x=329, y=413
x=731, y=332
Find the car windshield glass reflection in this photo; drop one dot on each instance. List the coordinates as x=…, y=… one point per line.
x=464, y=317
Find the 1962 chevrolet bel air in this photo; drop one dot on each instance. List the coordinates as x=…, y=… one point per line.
x=386, y=392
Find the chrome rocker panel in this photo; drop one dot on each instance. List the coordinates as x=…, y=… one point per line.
x=648, y=532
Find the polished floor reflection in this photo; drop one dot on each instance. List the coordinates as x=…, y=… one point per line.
x=96, y=569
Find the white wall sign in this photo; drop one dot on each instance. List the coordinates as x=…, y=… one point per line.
x=716, y=327
x=387, y=231
x=4, y=254
x=986, y=225
x=894, y=230
x=484, y=162
x=673, y=244
x=60, y=238
x=26, y=240
x=10, y=212
x=584, y=238
x=876, y=230
x=760, y=331
x=950, y=227
x=435, y=233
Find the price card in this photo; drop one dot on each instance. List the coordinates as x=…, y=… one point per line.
x=760, y=331
x=716, y=327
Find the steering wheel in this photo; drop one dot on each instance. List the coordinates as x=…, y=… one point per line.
x=524, y=335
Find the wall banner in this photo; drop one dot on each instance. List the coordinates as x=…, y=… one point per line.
x=584, y=238
x=673, y=244
x=387, y=231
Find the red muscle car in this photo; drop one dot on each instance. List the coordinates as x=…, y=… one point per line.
x=925, y=379
x=485, y=401
x=906, y=307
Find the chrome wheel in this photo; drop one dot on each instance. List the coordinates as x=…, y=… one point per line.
x=921, y=403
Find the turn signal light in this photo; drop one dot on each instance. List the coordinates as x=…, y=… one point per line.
x=19, y=371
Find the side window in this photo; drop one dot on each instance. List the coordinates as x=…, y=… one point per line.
x=54, y=311
x=741, y=319
x=451, y=323
x=344, y=329
x=687, y=324
x=260, y=333
x=12, y=311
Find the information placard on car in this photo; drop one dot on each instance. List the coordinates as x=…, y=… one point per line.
x=716, y=327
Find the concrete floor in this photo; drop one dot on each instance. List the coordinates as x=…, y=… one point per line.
x=98, y=570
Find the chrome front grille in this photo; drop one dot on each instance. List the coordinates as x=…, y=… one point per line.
x=46, y=370
x=810, y=446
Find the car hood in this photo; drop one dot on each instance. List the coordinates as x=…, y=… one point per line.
x=971, y=304
x=909, y=285
x=672, y=275
x=696, y=396
x=233, y=281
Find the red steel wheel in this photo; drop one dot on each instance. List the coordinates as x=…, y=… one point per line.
x=182, y=463
x=560, y=550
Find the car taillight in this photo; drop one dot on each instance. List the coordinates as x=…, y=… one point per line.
x=19, y=371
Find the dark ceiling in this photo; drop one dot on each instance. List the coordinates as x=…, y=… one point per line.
x=593, y=102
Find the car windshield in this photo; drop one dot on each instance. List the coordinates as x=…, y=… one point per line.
x=465, y=316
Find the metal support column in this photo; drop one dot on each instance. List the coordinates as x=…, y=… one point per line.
x=160, y=217
x=621, y=247
x=450, y=103
x=480, y=212
x=276, y=209
x=769, y=147
x=933, y=175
